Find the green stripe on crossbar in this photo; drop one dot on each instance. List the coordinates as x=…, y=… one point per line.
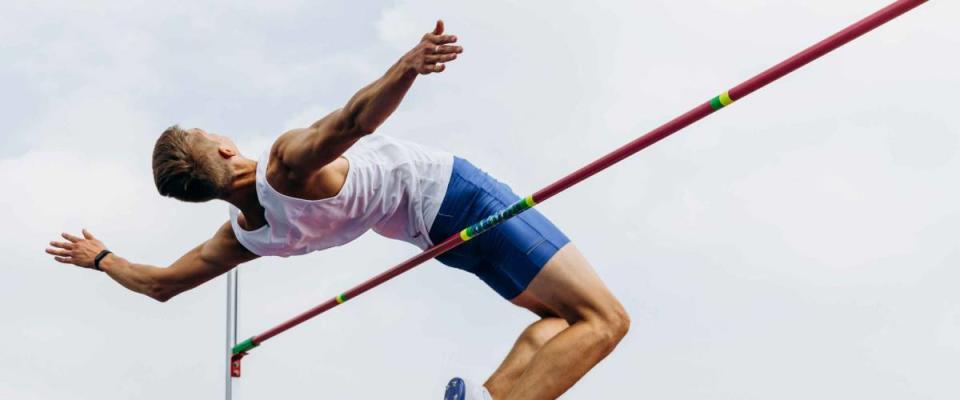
x=244, y=346
x=721, y=101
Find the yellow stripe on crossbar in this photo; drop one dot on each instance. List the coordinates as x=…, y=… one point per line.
x=529, y=201
x=725, y=99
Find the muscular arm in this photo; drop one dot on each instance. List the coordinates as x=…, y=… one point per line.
x=310, y=148
x=217, y=255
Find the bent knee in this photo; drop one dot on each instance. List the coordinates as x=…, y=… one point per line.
x=611, y=325
x=617, y=321
x=620, y=322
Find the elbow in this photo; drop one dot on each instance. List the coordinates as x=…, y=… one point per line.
x=160, y=293
x=162, y=299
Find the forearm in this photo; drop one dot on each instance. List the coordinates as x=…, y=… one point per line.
x=208, y=260
x=306, y=150
x=139, y=278
x=373, y=104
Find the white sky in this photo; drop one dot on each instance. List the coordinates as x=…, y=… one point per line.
x=803, y=243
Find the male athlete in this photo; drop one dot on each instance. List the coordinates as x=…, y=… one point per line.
x=325, y=185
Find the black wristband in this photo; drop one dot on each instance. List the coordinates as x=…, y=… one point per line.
x=98, y=258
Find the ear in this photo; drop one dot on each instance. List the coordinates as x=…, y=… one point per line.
x=226, y=152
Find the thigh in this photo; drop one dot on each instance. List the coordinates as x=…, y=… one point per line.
x=569, y=287
x=515, y=252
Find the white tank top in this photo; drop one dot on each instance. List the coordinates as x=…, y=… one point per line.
x=393, y=187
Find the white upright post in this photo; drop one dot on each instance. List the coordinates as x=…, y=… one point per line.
x=232, y=291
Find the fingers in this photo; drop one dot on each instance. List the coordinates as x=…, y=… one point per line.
x=436, y=56
x=447, y=49
x=88, y=235
x=441, y=58
x=70, y=237
x=435, y=50
x=440, y=39
x=60, y=253
x=63, y=245
x=437, y=36
x=65, y=260
x=431, y=68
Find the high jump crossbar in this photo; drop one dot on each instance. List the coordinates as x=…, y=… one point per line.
x=724, y=99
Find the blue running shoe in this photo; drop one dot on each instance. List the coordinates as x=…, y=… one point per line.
x=456, y=390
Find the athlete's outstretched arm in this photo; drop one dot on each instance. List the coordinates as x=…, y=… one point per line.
x=217, y=255
x=311, y=148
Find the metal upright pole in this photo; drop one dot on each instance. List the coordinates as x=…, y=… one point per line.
x=232, y=286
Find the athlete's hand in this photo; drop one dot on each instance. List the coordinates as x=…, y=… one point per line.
x=79, y=251
x=433, y=51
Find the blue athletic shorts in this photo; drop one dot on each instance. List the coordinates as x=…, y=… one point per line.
x=506, y=257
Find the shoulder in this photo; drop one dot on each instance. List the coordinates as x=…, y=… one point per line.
x=282, y=169
x=281, y=156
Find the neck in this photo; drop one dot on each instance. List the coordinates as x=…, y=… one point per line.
x=243, y=191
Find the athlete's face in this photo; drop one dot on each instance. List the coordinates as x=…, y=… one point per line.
x=225, y=145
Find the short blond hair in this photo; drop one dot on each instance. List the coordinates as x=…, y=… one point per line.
x=182, y=170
